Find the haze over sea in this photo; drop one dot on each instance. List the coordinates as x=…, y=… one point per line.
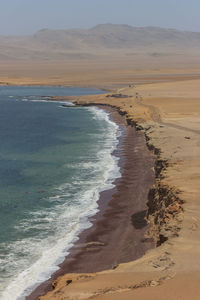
x=54, y=161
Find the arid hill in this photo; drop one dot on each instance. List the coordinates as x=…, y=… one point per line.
x=103, y=39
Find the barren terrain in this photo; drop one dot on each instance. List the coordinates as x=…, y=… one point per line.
x=169, y=115
x=156, y=83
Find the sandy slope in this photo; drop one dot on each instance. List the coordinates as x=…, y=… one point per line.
x=169, y=114
x=166, y=105
x=106, y=71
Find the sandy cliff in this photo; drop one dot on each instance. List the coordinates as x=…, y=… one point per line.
x=169, y=115
x=156, y=72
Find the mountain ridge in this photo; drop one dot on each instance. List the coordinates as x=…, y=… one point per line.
x=53, y=44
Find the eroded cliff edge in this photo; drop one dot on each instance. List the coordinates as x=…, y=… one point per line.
x=164, y=201
x=170, y=123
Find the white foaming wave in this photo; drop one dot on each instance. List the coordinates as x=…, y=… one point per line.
x=53, y=101
x=31, y=99
x=82, y=165
x=77, y=220
x=67, y=221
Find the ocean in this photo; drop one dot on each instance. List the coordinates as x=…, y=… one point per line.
x=54, y=162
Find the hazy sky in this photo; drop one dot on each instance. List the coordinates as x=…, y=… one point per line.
x=28, y=16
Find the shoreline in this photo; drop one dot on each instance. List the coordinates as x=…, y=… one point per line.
x=168, y=113
x=96, y=244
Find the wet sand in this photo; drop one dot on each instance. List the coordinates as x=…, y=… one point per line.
x=165, y=100
x=118, y=231
x=169, y=115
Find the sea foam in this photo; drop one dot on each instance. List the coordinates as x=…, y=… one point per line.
x=75, y=203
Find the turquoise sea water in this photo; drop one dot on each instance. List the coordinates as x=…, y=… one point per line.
x=54, y=161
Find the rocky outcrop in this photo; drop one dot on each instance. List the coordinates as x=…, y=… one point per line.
x=164, y=204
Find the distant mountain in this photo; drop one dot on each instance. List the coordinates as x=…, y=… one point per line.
x=61, y=44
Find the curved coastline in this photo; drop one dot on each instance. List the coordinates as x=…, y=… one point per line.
x=122, y=210
x=171, y=131
x=18, y=281
x=111, y=171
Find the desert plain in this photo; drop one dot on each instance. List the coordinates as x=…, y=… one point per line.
x=159, y=93
x=169, y=114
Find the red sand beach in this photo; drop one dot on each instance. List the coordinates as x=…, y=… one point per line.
x=118, y=231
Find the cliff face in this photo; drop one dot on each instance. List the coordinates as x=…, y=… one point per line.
x=169, y=115
x=164, y=204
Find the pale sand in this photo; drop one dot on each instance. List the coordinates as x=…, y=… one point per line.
x=170, y=116
x=105, y=72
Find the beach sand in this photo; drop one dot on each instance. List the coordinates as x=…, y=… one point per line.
x=109, y=71
x=164, y=105
x=169, y=116
x=117, y=234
